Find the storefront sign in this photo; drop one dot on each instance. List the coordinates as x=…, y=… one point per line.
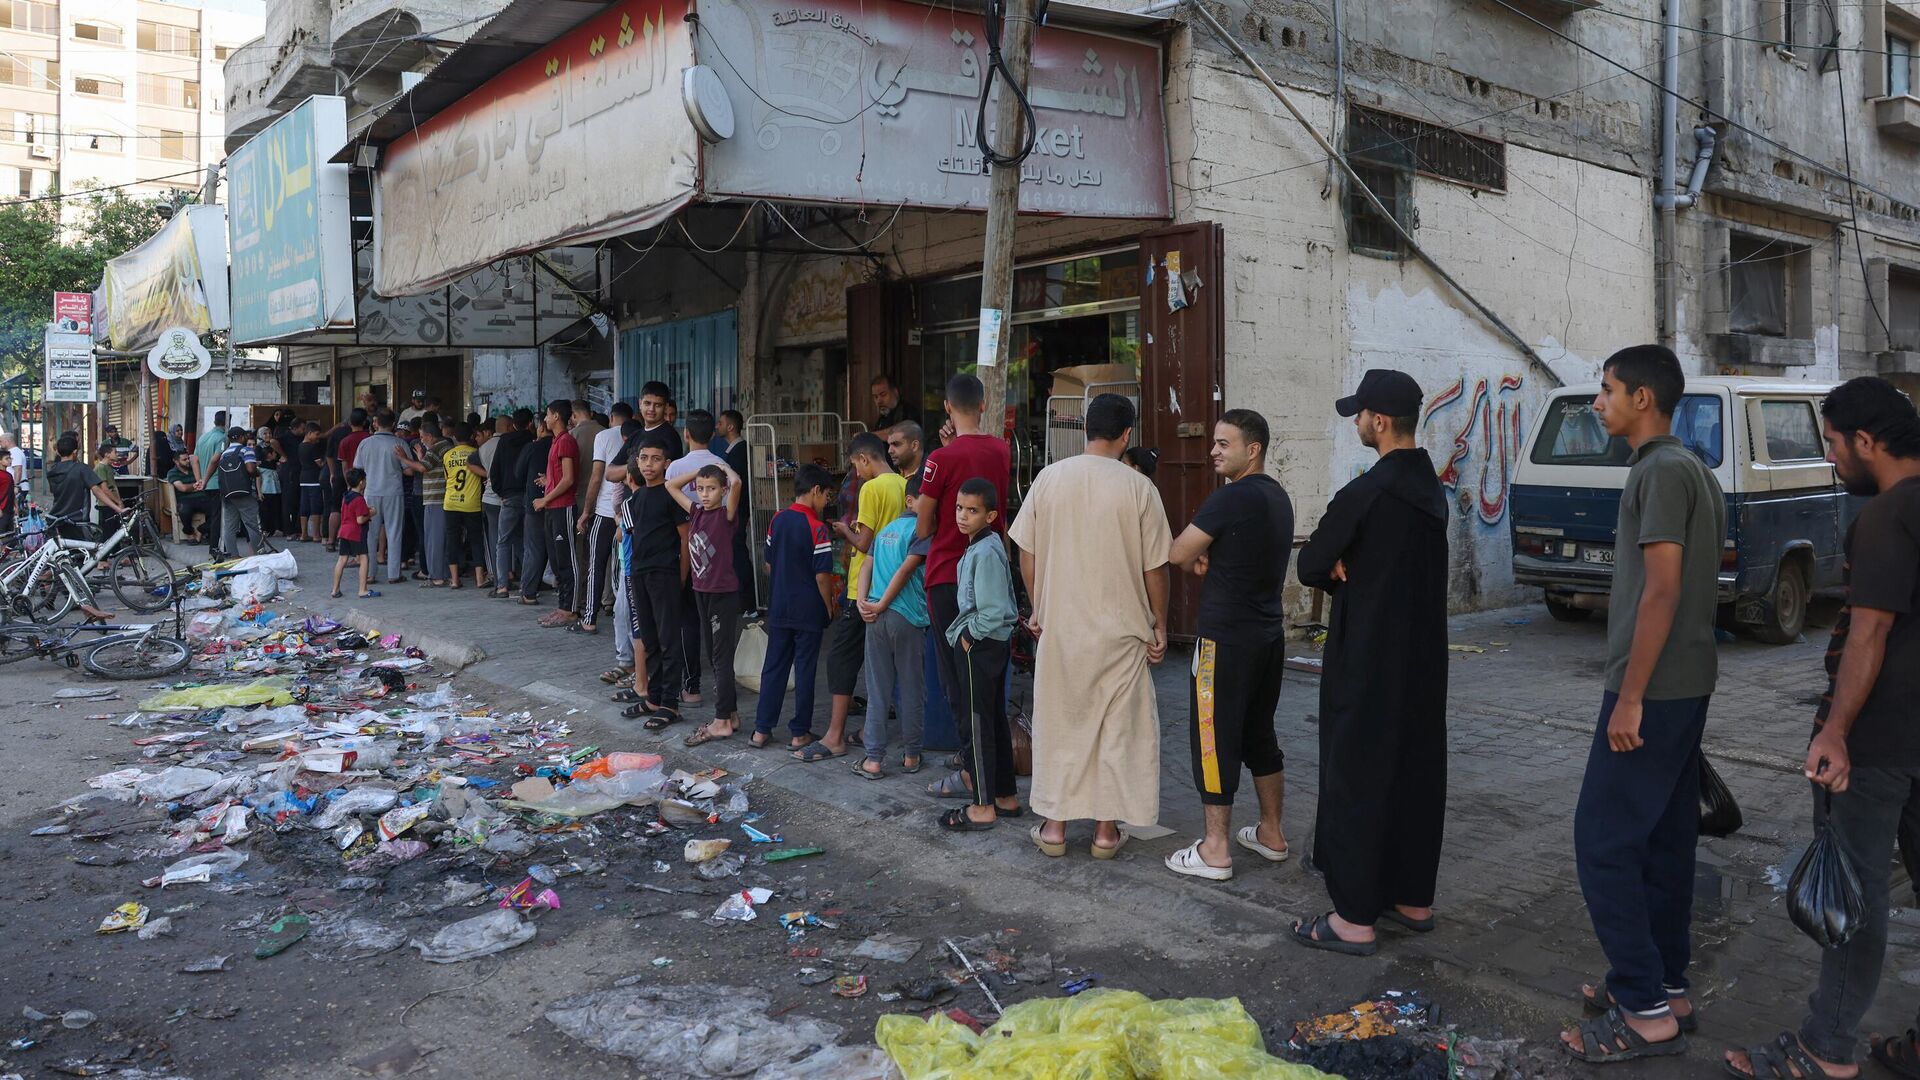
x=517, y=303
x=292, y=247
x=179, y=355
x=73, y=313
x=177, y=278
x=584, y=139
x=874, y=101
x=71, y=374
x=815, y=308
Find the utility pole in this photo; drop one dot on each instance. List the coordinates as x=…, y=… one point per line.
x=1003, y=207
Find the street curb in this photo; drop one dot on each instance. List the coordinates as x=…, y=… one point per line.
x=459, y=654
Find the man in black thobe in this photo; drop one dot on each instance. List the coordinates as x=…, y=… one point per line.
x=1381, y=550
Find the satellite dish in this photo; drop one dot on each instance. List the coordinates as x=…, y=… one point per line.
x=708, y=105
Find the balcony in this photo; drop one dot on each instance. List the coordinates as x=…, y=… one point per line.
x=368, y=34
x=1898, y=117
x=264, y=80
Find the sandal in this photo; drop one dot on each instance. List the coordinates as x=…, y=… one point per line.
x=499, y=594
x=1899, y=1056
x=1608, y=1038
x=627, y=696
x=1589, y=993
x=815, y=752
x=336, y=594
x=1188, y=861
x=956, y=820
x=703, y=737
x=525, y=602
x=1425, y=926
x=760, y=740
x=1047, y=848
x=865, y=773
x=1099, y=852
x=951, y=786
x=583, y=628
x=1319, y=934
x=370, y=594
x=918, y=764
x=657, y=719
x=613, y=675
x=1249, y=837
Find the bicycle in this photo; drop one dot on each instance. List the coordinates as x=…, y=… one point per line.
x=46, y=585
x=137, y=651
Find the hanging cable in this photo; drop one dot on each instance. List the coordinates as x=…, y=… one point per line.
x=1853, y=192
x=997, y=64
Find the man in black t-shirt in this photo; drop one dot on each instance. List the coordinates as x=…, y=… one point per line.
x=1238, y=544
x=508, y=480
x=1865, y=750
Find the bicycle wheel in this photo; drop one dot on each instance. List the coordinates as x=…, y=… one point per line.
x=137, y=658
x=52, y=596
x=142, y=578
x=14, y=642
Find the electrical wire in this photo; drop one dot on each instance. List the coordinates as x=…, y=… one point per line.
x=95, y=190
x=995, y=15
x=744, y=217
x=1709, y=111
x=694, y=18
x=1853, y=194
x=860, y=248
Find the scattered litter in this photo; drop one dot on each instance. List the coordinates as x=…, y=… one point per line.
x=71, y=692
x=792, y=853
x=739, y=906
x=692, y=1031
x=759, y=837
x=207, y=966
x=699, y=851
x=128, y=916
x=483, y=935
x=77, y=1019
x=887, y=948
x=528, y=896
x=1466, y=648
x=850, y=986
x=1393, y=1012
x=156, y=928
x=281, y=935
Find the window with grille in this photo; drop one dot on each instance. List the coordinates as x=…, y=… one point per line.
x=1767, y=281
x=98, y=86
x=29, y=72
x=1437, y=151
x=104, y=33
x=165, y=90
x=32, y=16
x=98, y=140
x=166, y=38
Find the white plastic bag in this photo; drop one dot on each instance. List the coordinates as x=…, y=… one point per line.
x=748, y=657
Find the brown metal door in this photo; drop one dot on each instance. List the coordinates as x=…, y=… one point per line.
x=1182, y=376
x=439, y=376
x=879, y=321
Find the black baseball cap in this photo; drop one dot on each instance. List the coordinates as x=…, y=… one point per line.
x=1384, y=391
x=419, y=393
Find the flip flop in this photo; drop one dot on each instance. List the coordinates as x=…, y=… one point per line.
x=704, y=736
x=1249, y=837
x=1608, y=1038
x=660, y=718
x=1100, y=852
x=816, y=751
x=1418, y=926
x=371, y=594
x=524, y=602
x=950, y=786
x=612, y=676
x=766, y=740
x=956, y=820
x=627, y=697
x=499, y=594
x=918, y=764
x=1050, y=850
x=335, y=595
x=860, y=767
x=1187, y=861
x=1319, y=934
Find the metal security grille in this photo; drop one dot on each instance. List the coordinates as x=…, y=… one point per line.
x=1437, y=151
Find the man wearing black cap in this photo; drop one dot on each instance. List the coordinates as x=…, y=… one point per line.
x=417, y=409
x=1381, y=550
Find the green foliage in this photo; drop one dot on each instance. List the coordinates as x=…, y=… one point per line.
x=41, y=255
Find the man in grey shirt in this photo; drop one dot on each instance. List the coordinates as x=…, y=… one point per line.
x=1637, y=821
x=382, y=455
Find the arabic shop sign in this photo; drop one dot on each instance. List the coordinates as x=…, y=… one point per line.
x=584, y=139
x=72, y=372
x=875, y=102
x=292, y=248
x=178, y=277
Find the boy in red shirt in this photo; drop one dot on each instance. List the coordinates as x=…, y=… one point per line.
x=556, y=508
x=355, y=512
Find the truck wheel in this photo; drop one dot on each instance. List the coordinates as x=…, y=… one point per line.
x=1786, y=608
x=1565, y=612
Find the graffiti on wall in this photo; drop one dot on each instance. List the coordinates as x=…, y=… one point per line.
x=1482, y=443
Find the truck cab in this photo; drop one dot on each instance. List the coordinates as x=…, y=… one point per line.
x=1786, y=512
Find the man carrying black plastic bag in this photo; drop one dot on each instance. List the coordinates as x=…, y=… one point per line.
x=1866, y=747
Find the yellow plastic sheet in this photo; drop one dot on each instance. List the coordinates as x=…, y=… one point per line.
x=272, y=691
x=1098, y=1035
x=926, y=1050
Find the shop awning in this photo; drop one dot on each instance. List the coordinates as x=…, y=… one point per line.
x=178, y=277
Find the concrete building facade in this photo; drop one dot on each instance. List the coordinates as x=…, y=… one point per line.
x=123, y=93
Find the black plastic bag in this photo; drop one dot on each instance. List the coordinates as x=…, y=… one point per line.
x=1719, y=814
x=1823, y=896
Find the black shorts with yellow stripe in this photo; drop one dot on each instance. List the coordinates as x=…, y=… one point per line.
x=1233, y=693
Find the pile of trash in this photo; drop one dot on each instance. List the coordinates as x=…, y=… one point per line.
x=1398, y=1035
x=1097, y=1035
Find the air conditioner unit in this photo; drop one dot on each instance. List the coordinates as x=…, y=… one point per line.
x=40, y=150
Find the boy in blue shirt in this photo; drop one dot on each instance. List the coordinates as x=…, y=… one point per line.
x=893, y=603
x=982, y=632
x=801, y=601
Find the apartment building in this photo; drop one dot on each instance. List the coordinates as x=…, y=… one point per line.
x=113, y=92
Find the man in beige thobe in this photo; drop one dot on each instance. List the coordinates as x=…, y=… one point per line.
x=1093, y=542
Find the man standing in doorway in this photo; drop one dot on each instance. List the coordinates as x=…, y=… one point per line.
x=1238, y=545
x=1637, y=822
x=888, y=406
x=1381, y=551
x=383, y=457
x=556, y=507
x=413, y=412
x=904, y=447
x=1093, y=542
x=967, y=456
x=1864, y=759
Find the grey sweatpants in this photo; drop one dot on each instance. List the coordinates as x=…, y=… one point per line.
x=492, y=511
x=896, y=672
x=390, y=516
x=433, y=541
x=241, y=511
